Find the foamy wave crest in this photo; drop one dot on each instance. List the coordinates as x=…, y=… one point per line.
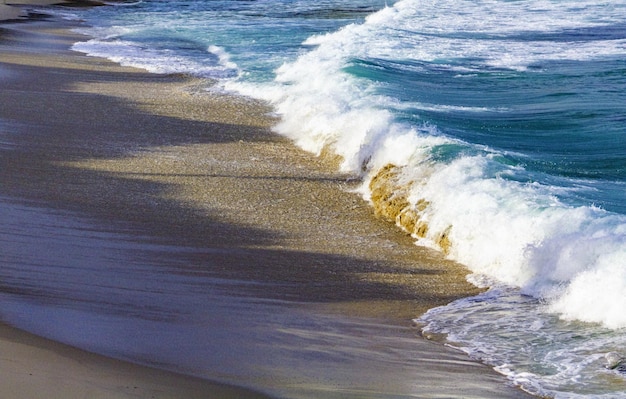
x=215, y=65
x=520, y=234
x=466, y=201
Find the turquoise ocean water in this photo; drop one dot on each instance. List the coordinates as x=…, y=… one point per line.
x=506, y=117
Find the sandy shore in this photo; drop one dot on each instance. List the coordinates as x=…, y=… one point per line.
x=33, y=367
x=162, y=174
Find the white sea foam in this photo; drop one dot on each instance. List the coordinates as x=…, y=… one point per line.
x=522, y=235
x=223, y=56
x=425, y=31
x=215, y=65
x=535, y=350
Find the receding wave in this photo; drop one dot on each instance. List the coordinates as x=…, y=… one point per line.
x=211, y=62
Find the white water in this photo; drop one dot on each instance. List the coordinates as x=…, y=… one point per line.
x=215, y=64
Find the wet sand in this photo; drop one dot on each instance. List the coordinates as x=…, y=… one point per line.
x=33, y=367
x=171, y=218
x=8, y=12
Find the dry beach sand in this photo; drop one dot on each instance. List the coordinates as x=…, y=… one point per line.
x=146, y=161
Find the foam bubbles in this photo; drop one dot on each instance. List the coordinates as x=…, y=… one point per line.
x=523, y=235
x=523, y=340
x=215, y=64
x=597, y=294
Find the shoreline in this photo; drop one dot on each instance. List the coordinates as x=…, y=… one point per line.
x=189, y=169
